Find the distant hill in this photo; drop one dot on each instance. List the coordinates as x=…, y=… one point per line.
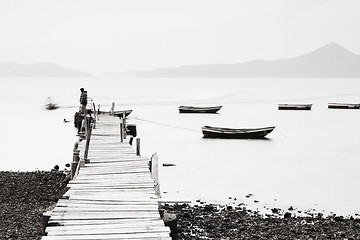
x=38, y=70
x=329, y=61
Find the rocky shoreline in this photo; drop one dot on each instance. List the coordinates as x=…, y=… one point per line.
x=25, y=196
x=207, y=221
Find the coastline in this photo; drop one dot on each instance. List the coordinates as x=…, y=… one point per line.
x=208, y=221
x=25, y=196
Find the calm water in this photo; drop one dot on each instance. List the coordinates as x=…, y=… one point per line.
x=311, y=160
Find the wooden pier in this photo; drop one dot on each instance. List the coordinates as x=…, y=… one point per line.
x=112, y=196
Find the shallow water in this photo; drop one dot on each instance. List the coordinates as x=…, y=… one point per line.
x=310, y=160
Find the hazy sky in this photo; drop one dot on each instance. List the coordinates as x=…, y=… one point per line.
x=116, y=35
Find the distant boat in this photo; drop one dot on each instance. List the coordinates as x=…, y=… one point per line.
x=295, y=106
x=50, y=105
x=192, y=109
x=344, y=105
x=246, y=133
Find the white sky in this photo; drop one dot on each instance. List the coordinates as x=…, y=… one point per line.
x=99, y=36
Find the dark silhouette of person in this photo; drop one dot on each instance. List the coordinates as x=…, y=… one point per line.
x=83, y=99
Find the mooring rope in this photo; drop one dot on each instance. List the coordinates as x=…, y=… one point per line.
x=165, y=124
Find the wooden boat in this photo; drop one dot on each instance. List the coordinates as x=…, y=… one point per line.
x=248, y=133
x=344, y=105
x=192, y=109
x=120, y=113
x=295, y=106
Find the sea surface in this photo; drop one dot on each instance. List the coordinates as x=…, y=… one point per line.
x=311, y=161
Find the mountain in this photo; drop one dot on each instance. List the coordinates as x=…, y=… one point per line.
x=329, y=61
x=38, y=70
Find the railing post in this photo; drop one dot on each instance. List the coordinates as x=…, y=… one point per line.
x=138, y=147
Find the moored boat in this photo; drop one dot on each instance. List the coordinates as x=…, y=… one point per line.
x=344, y=105
x=121, y=113
x=247, y=133
x=295, y=106
x=192, y=109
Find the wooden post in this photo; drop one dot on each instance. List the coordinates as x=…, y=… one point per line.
x=46, y=217
x=124, y=124
x=95, y=116
x=138, y=147
x=82, y=130
x=155, y=173
x=75, y=162
x=121, y=131
x=88, y=136
x=112, y=109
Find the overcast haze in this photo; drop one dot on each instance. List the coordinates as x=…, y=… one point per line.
x=98, y=36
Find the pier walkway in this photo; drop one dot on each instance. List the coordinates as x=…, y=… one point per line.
x=112, y=197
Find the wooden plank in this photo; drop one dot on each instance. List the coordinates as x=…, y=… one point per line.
x=108, y=202
x=113, y=230
x=106, y=226
x=100, y=222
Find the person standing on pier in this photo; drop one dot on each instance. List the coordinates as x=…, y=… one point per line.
x=83, y=100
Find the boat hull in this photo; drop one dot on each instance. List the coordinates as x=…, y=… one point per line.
x=253, y=133
x=295, y=106
x=121, y=113
x=344, y=105
x=51, y=106
x=191, y=109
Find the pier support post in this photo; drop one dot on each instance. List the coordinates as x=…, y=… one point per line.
x=87, y=144
x=170, y=220
x=155, y=173
x=75, y=161
x=124, y=124
x=112, y=109
x=121, y=131
x=45, y=216
x=138, y=147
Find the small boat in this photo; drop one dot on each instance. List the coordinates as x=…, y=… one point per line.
x=50, y=105
x=120, y=113
x=192, y=109
x=247, y=133
x=344, y=105
x=295, y=106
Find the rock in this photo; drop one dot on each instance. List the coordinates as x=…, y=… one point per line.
x=275, y=210
x=209, y=207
